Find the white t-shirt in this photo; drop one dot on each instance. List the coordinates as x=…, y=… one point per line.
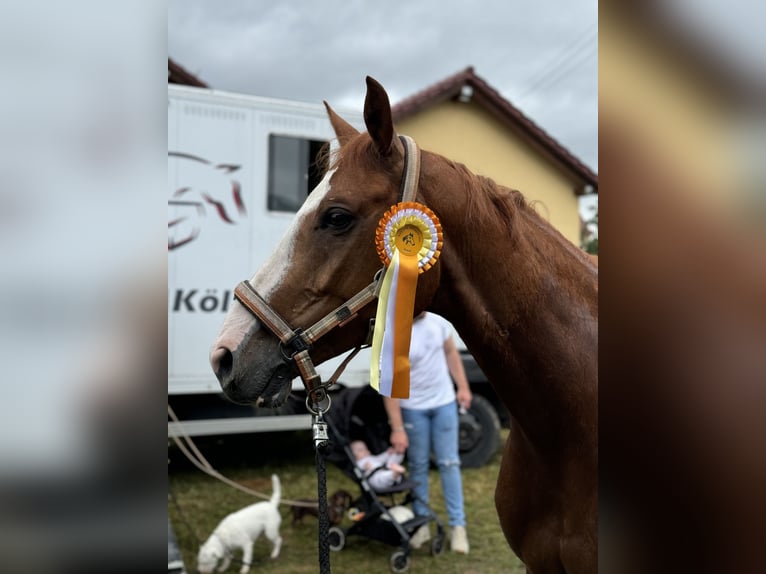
x=430, y=382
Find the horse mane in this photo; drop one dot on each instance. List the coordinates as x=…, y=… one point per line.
x=507, y=210
x=487, y=199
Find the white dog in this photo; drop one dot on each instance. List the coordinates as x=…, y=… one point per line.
x=240, y=530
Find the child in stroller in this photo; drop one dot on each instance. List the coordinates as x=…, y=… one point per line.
x=359, y=415
x=381, y=470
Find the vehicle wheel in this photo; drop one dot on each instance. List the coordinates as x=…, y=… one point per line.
x=337, y=538
x=399, y=562
x=479, y=433
x=437, y=545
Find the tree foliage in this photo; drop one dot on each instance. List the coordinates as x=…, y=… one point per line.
x=589, y=239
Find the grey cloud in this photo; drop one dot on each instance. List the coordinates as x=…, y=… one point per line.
x=314, y=51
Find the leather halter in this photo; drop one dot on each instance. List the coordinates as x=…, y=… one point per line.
x=295, y=344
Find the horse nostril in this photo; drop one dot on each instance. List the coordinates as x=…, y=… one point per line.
x=221, y=360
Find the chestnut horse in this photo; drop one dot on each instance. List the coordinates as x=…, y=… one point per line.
x=522, y=297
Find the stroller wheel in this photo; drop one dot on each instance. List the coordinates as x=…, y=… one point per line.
x=336, y=538
x=399, y=561
x=437, y=545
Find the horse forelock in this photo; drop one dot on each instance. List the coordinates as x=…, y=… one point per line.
x=361, y=154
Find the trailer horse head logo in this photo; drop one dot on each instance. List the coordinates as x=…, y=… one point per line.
x=210, y=193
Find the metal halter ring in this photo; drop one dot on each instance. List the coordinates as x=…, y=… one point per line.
x=319, y=408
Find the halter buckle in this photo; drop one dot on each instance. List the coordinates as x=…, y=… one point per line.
x=296, y=344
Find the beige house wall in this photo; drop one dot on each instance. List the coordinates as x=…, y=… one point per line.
x=469, y=134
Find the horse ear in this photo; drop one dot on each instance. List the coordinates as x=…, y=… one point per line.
x=344, y=131
x=377, y=117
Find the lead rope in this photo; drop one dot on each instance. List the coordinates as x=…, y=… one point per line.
x=321, y=444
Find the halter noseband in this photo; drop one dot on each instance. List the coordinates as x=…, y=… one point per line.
x=295, y=344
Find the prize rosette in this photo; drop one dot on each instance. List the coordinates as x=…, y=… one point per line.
x=408, y=241
x=412, y=229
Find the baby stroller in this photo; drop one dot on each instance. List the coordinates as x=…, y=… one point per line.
x=359, y=414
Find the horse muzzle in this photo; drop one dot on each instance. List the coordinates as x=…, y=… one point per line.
x=248, y=376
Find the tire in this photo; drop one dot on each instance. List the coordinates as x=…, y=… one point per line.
x=336, y=538
x=399, y=561
x=479, y=433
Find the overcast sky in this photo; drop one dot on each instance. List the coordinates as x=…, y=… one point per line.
x=541, y=56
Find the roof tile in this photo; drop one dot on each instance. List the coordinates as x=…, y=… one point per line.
x=178, y=75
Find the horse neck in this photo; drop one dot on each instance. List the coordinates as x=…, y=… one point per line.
x=523, y=299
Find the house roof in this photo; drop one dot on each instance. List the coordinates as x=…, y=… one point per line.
x=482, y=93
x=178, y=75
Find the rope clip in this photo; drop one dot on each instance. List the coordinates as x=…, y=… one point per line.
x=319, y=428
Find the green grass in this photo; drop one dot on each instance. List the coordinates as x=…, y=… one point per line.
x=204, y=501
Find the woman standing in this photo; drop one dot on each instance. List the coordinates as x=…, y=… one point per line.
x=428, y=422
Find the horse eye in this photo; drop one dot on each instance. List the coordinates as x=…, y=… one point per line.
x=337, y=220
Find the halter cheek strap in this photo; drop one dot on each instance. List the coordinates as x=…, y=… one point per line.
x=295, y=344
x=411, y=170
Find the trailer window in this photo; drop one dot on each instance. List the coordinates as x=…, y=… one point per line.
x=293, y=171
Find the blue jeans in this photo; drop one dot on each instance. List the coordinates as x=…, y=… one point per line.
x=437, y=430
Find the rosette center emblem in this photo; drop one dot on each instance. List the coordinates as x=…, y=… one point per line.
x=411, y=229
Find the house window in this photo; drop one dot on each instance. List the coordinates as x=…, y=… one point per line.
x=293, y=171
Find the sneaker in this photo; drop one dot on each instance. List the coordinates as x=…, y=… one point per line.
x=459, y=540
x=421, y=536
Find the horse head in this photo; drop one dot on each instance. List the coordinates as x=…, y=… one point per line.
x=327, y=255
